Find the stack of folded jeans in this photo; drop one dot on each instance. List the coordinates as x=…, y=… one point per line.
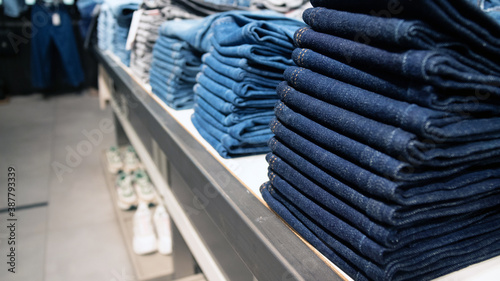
x=173, y=72
x=175, y=62
x=386, y=144
x=235, y=94
x=147, y=33
x=491, y=7
x=113, y=26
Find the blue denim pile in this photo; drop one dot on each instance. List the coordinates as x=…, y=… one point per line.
x=386, y=144
x=177, y=52
x=173, y=71
x=113, y=26
x=235, y=93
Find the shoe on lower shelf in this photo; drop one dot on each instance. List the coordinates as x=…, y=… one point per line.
x=126, y=195
x=130, y=160
x=163, y=230
x=143, y=187
x=114, y=161
x=144, y=234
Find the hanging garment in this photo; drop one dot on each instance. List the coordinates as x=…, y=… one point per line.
x=52, y=30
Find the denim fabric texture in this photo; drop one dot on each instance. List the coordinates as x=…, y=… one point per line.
x=417, y=266
x=464, y=101
x=14, y=8
x=50, y=41
x=386, y=138
x=173, y=72
x=394, y=34
x=235, y=90
x=433, y=67
x=461, y=19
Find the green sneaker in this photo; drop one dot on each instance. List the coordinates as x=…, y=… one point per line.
x=130, y=160
x=143, y=187
x=126, y=195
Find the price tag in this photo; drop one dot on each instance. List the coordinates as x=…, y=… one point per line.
x=56, y=19
x=134, y=26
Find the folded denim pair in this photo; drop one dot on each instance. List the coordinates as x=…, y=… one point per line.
x=113, y=27
x=433, y=67
x=385, y=146
x=249, y=141
x=415, y=242
x=304, y=173
x=236, y=87
x=418, y=153
x=474, y=101
x=197, y=32
x=458, y=18
x=396, y=35
x=173, y=72
x=420, y=266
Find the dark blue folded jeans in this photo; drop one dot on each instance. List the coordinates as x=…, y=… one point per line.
x=198, y=32
x=359, y=154
x=427, y=66
x=426, y=123
x=388, y=139
x=394, y=34
x=245, y=84
x=458, y=18
x=412, y=265
x=298, y=151
x=45, y=39
x=303, y=173
x=226, y=107
x=472, y=101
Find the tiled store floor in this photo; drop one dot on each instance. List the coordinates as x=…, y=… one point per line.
x=66, y=228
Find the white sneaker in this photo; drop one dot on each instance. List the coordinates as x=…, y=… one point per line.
x=130, y=160
x=125, y=191
x=163, y=229
x=144, y=234
x=143, y=187
x=114, y=161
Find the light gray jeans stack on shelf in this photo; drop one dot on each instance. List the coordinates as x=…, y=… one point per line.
x=154, y=13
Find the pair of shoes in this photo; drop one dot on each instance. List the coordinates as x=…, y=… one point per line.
x=134, y=188
x=127, y=162
x=145, y=239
